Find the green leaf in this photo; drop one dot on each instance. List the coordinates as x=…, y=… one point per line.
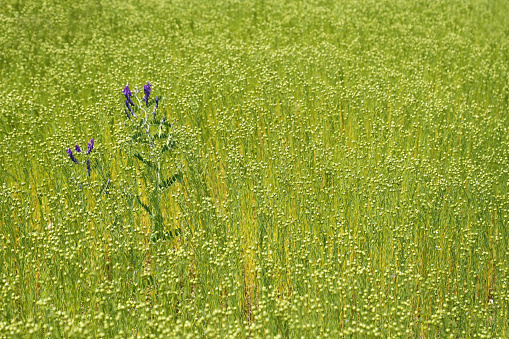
x=161, y=136
x=138, y=136
x=171, y=180
x=140, y=158
x=168, y=124
x=145, y=207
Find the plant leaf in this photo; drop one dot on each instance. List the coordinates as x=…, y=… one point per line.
x=140, y=158
x=171, y=180
x=138, y=136
x=145, y=207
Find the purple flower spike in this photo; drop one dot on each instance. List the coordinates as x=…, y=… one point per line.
x=146, y=89
x=157, y=101
x=90, y=146
x=77, y=148
x=128, y=95
x=127, y=92
x=88, y=167
x=69, y=153
x=127, y=113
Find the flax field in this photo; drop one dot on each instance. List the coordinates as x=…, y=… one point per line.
x=328, y=169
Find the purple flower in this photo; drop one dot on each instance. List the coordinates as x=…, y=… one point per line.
x=88, y=167
x=146, y=90
x=128, y=95
x=127, y=113
x=127, y=92
x=77, y=148
x=69, y=153
x=90, y=146
x=157, y=101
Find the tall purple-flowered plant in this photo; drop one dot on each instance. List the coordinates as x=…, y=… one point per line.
x=90, y=146
x=77, y=148
x=69, y=153
x=146, y=90
x=156, y=177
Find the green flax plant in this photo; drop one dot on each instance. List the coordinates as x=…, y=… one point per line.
x=346, y=169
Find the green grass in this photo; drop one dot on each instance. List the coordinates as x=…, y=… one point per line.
x=346, y=169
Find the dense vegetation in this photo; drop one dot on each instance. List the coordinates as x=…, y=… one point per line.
x=344, y=169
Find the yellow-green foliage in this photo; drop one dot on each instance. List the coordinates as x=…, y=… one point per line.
x=346, y=168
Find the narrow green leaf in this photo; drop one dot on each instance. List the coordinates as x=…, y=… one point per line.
x=171, y=180
x=138, y=136
x=140, y=158
x=145, y=207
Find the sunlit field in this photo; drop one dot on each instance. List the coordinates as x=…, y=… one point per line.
x=309, y=169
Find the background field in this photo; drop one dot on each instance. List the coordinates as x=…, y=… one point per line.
x=346, y=168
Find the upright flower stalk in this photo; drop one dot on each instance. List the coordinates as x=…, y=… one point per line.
x=128, y=95
x=146, y=90
x=73, y=158
x=151, y=146
x=129, y=104
x=90, y=146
